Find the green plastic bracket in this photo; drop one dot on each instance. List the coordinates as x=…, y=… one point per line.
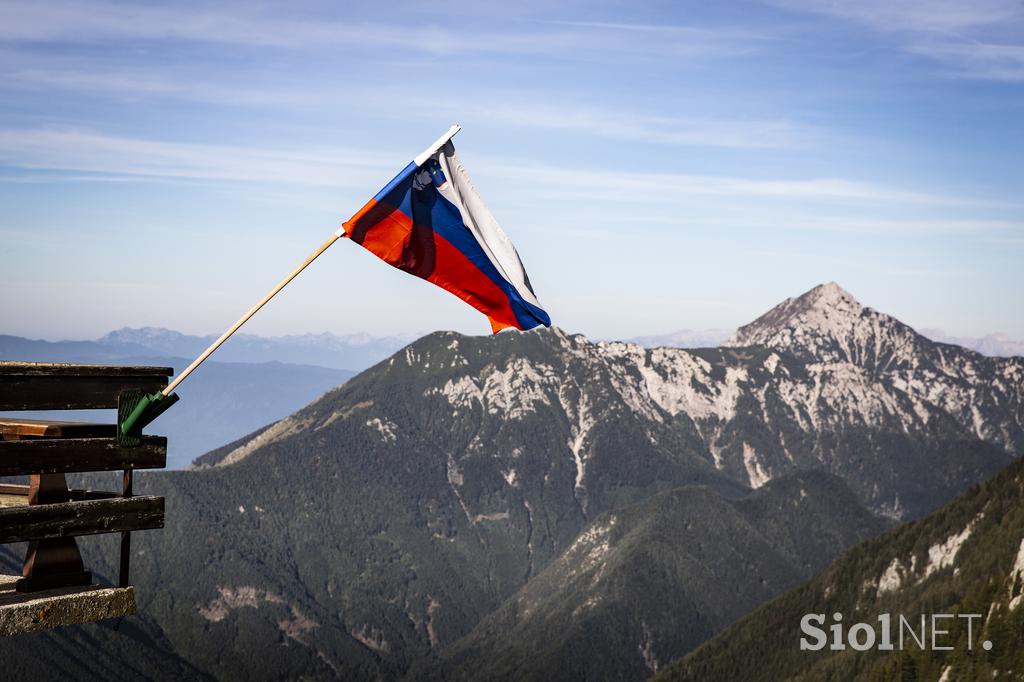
x=135, y=411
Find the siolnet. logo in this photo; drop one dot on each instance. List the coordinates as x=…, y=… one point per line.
x=937, y=632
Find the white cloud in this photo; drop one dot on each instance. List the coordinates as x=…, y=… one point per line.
x=83, y=21
x=92, y=152
x=85, y=151
x=628, y=125
x=968, y=38
x=926, y=16
x=254, y=25
x=636, y=187
x=514, y=109
x=137, y=84
x=914, y=225
x=976, y=59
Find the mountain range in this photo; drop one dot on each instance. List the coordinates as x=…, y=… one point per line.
x=511, y=505
x=997, y=344
x=684, y=338
x=352, y=352
x=348, y=351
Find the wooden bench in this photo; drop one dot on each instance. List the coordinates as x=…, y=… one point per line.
x=45, y=513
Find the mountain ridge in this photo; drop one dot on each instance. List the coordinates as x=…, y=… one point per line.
x=619, y=586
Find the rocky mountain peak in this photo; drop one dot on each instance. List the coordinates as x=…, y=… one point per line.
x=832, y=295
x=827, y=324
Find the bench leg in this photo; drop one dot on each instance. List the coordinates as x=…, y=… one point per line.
x=54, y=562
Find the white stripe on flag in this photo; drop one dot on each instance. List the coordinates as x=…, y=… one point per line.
x=478, y=218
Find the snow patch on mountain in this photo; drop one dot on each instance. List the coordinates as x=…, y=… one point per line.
x=755, y=471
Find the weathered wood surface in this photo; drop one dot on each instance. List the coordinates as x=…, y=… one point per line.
x=17, y=495
x=89, y=517
x=63, y=455
x=58, y=386
x=20, y=612
x=8, y=367
x=12, y=428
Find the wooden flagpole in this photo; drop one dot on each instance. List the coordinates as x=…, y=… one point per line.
x=419, y=160
x=252, y=311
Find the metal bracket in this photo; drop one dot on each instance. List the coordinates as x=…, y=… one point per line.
x=135, y=411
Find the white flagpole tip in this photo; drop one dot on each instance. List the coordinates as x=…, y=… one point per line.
x=438, y=143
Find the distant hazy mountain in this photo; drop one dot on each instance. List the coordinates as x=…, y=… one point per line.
x=967, y=558
x=997, y=344
x=685, y=338
x=403, y=522
x=351, y=352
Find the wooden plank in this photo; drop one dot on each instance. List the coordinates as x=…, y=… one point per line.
x=20, y=392
x=16, y=490
x=50, y=386
x=12, y=499
x=63, y=455
x=13, y=428
x=70, y=369
x=20, y=612
x=89, y=517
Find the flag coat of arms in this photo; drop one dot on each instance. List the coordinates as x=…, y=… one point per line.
x=430, y=222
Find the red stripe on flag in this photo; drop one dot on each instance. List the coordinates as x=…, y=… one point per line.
x=458, y=274
x=388, y=237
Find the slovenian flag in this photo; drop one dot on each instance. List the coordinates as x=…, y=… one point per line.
x=431, y=222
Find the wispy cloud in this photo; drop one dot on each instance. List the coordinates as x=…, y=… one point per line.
x=926, y=16
x=138, y=84
x=637, y=187
x=514, y=109
x=87, y=151
x=259, y=25
x=85, y=21
x=696, y=39
x=92, y=152
x=623, y=124
x=977, y=39
x=974, y=59
x=907, y=225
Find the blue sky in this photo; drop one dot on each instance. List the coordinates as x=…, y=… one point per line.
x=659, y=165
